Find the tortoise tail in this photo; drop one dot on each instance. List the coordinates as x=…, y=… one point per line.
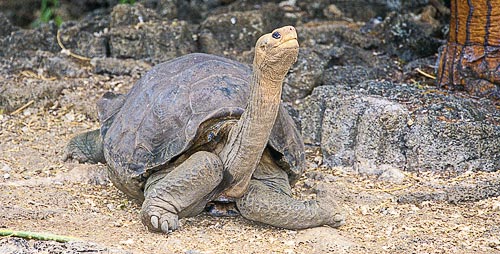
x=85, y=147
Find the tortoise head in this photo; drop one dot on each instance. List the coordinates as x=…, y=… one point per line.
x=275, y=52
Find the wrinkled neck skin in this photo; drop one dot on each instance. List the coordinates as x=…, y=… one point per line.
x=248, y=138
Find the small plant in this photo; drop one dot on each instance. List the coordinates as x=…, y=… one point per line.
x=127, y=1
x=47, y=13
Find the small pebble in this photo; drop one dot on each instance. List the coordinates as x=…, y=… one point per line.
x=6, y=168
x=127, y=242
x=6, y=176
x=308, y=183
x=392, y=174
x=330, y=178
x=364, y=210
x=496, y=207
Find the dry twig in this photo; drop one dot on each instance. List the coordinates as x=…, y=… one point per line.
x=19, y=110
x=65, y=50
x=30, y=74
x=425, y=73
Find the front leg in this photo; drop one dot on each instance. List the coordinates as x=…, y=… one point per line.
x=180, y=193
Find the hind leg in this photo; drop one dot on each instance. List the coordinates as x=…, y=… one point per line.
x=182, y=192
x=85, y=147
x=268, y=200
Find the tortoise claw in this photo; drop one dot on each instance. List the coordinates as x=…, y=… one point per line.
x=159, y=221
x=154, y=221
x=164, y=227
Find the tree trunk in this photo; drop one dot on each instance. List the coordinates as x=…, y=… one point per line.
x=471, y=59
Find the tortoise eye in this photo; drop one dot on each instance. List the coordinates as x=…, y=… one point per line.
x=276, y=35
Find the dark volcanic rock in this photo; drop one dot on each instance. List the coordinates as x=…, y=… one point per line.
x=152, y=40
x=373, y=124
x=131, y=15
x=22, y=42
x=5, y=26
x=367, y=9
x=119, y=67
x=408, y=39
x=231, y=33
x=87, y=37
x=334, y=34
x=304, y=75
x=346, y=75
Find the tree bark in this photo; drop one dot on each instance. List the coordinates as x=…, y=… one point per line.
x=471, y=59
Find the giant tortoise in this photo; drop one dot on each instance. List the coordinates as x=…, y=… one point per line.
x=200, y=128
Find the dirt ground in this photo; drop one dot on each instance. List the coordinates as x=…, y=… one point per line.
x=40, y=193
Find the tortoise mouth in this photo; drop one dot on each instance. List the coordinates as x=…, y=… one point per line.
x=291, y=43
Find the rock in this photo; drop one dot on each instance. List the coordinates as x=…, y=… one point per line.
x=131, y=15
x=469, y=189
x=406, y=38
x=304, y=75
x=165, y=8
x=6, y=28
x=63, y=67
x=229, y=34
x=158, y=42
x=335, y=34
x=21, y=13
x=347, y=75
x=344, y=46
x=363, y=132
x=495, y=207
x=154, y=41
x=370, y=124
x=22, y=42
x=6, y=168
x=362, y=10
x=88, y=37
x=326, y=240
x=77, y=9
x=391, y=174
x=119, y=67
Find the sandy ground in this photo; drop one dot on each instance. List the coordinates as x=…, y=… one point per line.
x=40, y=193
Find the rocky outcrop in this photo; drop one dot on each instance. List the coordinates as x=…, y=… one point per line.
x=304, y=75
x=375, y=125
x=136, y=33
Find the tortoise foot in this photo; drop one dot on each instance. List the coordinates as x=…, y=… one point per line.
x=157, y=219
x=180, y=192
x=328, y=205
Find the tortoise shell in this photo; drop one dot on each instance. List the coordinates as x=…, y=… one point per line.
x=161, y=116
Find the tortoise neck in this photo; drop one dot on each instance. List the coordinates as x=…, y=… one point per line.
x=248, y=139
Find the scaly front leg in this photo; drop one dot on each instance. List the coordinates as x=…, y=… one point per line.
x=180, y=193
